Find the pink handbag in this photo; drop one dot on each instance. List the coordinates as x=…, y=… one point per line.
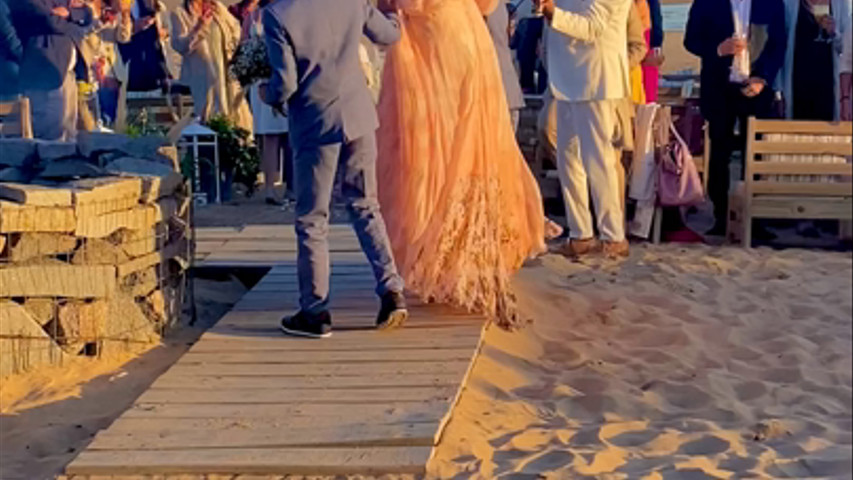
x=678, y=180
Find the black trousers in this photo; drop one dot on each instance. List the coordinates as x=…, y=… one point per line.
x=734, y=110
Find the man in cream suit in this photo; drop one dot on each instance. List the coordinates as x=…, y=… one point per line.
x=588, y=72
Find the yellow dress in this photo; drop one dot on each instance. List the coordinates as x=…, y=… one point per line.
x=462, y=208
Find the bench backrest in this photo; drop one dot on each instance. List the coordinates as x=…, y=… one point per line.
x=785, y=157
x=16, y=119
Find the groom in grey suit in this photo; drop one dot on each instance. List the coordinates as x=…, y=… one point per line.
x=317, y=77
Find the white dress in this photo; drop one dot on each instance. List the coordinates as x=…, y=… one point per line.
x=267, y=121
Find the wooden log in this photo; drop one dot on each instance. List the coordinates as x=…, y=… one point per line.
x=98, y=196
x=73, y=281
x=35, y=245
x=23, y=343
x=142, y=217
x=36, y=195
x=34, y=218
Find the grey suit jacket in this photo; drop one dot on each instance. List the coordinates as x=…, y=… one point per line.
x=498, y=22
x=49, y=42
x=313, y=50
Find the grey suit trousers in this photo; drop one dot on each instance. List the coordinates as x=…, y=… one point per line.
x=315, y=169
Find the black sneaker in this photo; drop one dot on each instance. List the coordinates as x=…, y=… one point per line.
x=308, y=325
x=393, y=313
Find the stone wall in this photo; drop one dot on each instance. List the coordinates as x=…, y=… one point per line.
x=94, y=239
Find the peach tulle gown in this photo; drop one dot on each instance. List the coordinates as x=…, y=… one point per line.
x=462, y=208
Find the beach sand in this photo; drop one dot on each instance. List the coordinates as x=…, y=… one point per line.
x=680, y=363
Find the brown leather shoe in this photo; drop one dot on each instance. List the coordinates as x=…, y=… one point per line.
x=616, y=249
x=576, y=247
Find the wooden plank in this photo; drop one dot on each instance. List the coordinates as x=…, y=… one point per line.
x=378, y=381
x=802, y=207
x=766, y=147
x=763, y=187
x=272, y=331
x=790, y=168
x=292, y=395
x=269, y=345
x=36, y=195
x=168, y=438
x=360, y=369
x=322, y=357
x=215, y=425
x=398, y=412
x=292, y=461
x=89, y=281
x=809, y=127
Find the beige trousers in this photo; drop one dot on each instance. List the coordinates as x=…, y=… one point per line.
x=588, y=163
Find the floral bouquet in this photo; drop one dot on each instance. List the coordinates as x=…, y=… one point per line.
x=250, y=62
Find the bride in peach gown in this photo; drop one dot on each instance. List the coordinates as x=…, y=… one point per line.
x=462, y=208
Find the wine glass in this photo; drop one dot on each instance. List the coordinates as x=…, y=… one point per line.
x=819, y=10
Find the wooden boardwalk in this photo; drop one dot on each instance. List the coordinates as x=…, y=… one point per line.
x=247, y=400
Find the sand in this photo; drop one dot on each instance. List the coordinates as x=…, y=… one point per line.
x=681, y=362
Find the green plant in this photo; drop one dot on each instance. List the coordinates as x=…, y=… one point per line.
x=236, y=151
x=141, y=125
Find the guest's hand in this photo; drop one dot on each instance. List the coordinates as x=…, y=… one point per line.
x=60, y=12
x=654, y=58
x=545, y=7
x=143, y=23
x=731, y=46
x=754, y=87
x=827, y=23
x=386, y=6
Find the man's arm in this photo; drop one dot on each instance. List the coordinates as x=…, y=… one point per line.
x=656, y=37
x=696, y=35
x=9, y=41
x=284, y=81
x=383, y=29
x=586, y=26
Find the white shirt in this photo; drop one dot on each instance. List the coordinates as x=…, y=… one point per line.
x=741, y=12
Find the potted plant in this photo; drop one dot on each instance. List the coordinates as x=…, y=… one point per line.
x=238, y=155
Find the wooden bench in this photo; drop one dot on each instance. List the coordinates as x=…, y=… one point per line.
x=793, y=170
x=16, y=119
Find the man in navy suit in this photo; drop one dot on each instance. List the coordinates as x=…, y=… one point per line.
x=52, y=32
x=742, y=47
x=317, y=77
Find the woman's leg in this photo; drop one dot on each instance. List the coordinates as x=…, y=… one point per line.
x=270, y=151
x=287, y=168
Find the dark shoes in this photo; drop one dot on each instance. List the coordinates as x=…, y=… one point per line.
x=393, y=312
x=308, y=325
